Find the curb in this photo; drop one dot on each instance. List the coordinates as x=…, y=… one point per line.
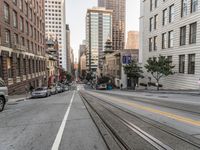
x=18, y=100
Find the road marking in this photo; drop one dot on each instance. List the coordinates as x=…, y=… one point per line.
x=57, y=141
x=152, y=110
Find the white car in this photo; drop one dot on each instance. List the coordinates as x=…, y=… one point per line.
x=41, y=92
x=3, y=95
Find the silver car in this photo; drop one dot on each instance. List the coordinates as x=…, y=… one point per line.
x=41, y=92
x=3, y=95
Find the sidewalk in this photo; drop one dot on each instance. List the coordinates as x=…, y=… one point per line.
x=186, y=92
x=182, y=98
x=17, y=98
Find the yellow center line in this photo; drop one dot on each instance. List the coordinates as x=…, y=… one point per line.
x=152, y=110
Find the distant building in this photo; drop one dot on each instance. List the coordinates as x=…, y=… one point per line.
x=119, y=21
x=52, y=60
x=68, y=49
x=83, y=67
x=22, y=45
x=98, y=30
x=132, y=40
x=55, y=26
x=172, y=29
x=113, y=66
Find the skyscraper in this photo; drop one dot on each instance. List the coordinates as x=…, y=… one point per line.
x=56, y=27
x=119, y=20
x=132, y=40
x=98, y=31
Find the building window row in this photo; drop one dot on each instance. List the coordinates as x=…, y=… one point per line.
x=192, y=34
x=37, y=21
x=191, y=64
x=185, y=9
x=24, y=67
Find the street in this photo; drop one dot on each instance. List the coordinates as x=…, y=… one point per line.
x=34, y=125
x=86, y=119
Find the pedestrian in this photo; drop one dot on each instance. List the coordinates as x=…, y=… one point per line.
x=121, y=86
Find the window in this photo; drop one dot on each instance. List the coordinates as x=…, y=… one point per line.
x=21, y=4
x=194, y=5
x=193, y=32
x=15, y=39
x=171, y=13
x=15, y=19
x=26, y=8
x=155, y=21
x=169, y=58
x=1, y=66
x=155, y=43
x=15, y=2
x=30, y=14
x=18, y=67
x=184, y=8
x=150, y=44
x=6, y=12
x=171, y=39
x=150, y=24
x=191, y=64
x=151, y=5
x=164, y=40
x=181, y=63
x=27, y=27
x=156, y=3
x=21, y=24
x=24, y=66
x=22, y=41
x=29, y=66
x=164, y=17
x=9, y=67
x=7, y=33
x=182, y=35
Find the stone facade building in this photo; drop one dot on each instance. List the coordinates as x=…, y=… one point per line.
x=22, y=53
x=113, y=66
x=172, y=29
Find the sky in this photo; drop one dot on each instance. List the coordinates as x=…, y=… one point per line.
x=75, y=17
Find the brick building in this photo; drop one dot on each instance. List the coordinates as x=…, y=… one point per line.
x=22, y=53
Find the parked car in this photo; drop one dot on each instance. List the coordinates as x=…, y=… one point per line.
x=3, y=95
x=102, y=87
x=53, y=90
x=66, y=88
x=41, y=92
x=59, y=89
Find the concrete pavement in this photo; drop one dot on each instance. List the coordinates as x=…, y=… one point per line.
x=34, y=124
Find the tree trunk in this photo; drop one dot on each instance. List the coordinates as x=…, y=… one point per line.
x=158, y=87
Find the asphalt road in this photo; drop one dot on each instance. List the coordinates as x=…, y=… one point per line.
x=57, y=122
x=62, y=122
x=184, y=121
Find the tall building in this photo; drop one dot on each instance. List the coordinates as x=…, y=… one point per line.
x=119, y=20
x=55, y=26
x=171, y=29
x=68, y=48
x=22, y=52
x=98, y=31
x=132, y=40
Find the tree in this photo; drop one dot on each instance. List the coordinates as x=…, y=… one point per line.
x=133, y=71
x=159, y=68
x=103, y=80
